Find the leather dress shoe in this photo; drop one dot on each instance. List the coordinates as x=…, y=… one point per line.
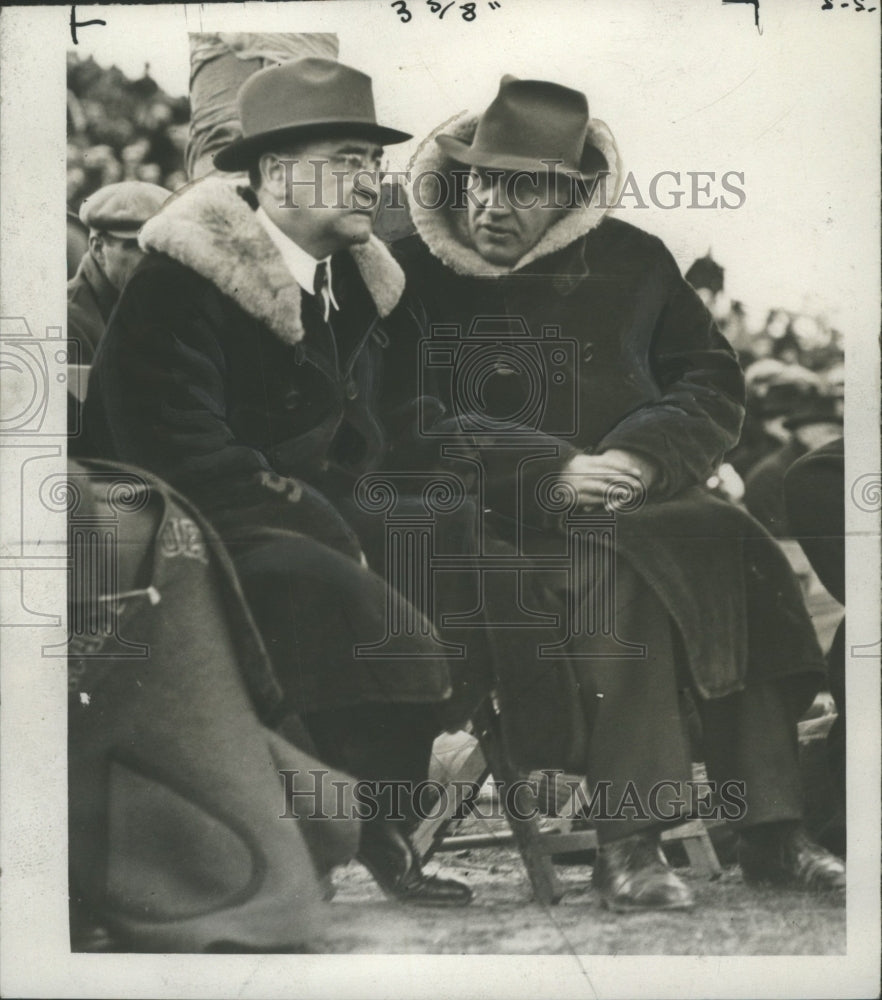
x=632, y=874
x=782, y=854
x=390, y=857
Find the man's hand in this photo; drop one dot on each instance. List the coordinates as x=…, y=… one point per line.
x=593, y=475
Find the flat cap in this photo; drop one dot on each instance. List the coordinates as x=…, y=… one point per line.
x=121, y=209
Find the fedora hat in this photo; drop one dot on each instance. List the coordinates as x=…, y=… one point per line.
x=305, y=96
x=529, y=123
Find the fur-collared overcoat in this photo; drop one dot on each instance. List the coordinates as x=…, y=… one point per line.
x=627, y=357
x=217, y=375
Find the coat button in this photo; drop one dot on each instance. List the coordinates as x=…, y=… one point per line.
x=588, y=352
x=351, y=389
x=292, y=399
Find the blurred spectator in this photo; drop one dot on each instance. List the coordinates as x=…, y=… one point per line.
x=833, y=384
x=726, y=483
x=790, y=337
x=816, y=422
x=120, y=129
x=112, y=216
x=219, y=65
x=774, y=391
x=706, y=277
x=814, y=490
x=77, y=243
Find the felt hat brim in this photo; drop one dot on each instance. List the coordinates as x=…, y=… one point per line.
x=241, y=153
x=462, y=152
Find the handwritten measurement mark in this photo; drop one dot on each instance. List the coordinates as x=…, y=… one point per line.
x=74, y=24
x=468, y=11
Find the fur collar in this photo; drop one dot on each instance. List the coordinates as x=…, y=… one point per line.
x=210, y=228
x=444, y=232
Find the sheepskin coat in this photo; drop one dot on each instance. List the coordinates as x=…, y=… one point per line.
x=628, y=358
x=220, y=376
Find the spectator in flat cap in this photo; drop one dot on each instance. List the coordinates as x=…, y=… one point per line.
x=113, y=216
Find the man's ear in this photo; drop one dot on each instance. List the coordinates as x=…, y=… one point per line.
x=96, y=247
x=272, y=173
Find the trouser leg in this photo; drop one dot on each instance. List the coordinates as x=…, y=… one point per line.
x=384, y=743
x=751, y=737
x=636, y=750
x=316, y=609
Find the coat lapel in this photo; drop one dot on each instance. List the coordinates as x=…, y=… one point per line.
x=211, y=229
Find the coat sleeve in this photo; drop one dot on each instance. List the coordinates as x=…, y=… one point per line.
x=157, y=399
x=697, y=414
x=84, y=330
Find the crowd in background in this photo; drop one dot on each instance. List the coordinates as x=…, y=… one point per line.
x=121, y=129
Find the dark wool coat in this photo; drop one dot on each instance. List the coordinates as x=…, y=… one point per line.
x=90, y=301
x=628, y=358
x=215, y=376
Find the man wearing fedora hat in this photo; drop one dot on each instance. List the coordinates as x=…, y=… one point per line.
x=242, y=366
x=521, y=272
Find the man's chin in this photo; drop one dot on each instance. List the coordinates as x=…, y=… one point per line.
x=493, y=253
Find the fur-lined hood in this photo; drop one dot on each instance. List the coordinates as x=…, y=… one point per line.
x=444, y=231
x=211, y=229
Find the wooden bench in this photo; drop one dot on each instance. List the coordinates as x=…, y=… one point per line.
x=537, y=839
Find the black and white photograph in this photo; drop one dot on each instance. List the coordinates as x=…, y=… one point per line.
x=441, y=488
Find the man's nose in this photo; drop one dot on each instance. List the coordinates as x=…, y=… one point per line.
x=496, y=202
x=366, y=188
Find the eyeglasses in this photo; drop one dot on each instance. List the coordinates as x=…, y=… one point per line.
x=355, y=163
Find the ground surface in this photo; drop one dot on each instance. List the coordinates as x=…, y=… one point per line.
x=730, y=918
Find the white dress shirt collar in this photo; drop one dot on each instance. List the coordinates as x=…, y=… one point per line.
x=301, y=264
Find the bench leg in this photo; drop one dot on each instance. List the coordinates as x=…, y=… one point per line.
x=547, y=889
x=698, y=846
